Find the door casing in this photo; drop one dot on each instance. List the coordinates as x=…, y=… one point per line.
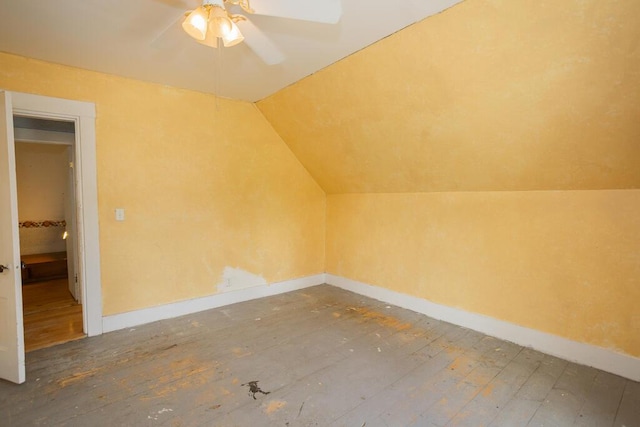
x=83, y=115
x=86, y=193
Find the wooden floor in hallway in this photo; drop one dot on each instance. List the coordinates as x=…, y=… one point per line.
x=51, y=315
x=320, y=356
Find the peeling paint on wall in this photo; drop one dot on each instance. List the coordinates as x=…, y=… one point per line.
x=235, y=278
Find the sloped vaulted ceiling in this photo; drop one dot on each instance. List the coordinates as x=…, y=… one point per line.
x=489, y=95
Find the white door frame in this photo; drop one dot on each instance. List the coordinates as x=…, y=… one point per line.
x=70, y=212
x=83, y=115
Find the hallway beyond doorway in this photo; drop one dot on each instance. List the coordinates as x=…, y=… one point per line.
x=51, y=315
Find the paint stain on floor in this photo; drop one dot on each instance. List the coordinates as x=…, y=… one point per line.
x=274, y=406
x=184, y=374
x=78, y=376
x=379, y=318
x=240, y=352
x=488, y=390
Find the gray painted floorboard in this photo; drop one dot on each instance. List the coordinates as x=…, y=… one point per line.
x=321, y=357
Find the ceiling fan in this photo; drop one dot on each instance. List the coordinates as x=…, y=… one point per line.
x=214, y=24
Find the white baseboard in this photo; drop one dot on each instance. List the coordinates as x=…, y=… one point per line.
x=181, y=308
x=585, y=354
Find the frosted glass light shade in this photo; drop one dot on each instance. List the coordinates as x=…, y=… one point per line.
x=196, y=23
x=232, y=36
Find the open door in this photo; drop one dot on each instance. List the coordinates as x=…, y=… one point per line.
x=70, y=230
x=12, y=361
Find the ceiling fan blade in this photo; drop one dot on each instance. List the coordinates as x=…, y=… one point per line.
x=167, y=31
x=260, y=43
x=325, y=11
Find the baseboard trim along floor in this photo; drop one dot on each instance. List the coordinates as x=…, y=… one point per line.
x=181, y=308
x=585, y=354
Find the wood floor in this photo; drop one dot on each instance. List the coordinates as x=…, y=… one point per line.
x=51, y=315
x=317, y=357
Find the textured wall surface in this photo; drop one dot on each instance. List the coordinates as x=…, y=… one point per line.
x=205, y=184
x=567, y=263
x=489, y=95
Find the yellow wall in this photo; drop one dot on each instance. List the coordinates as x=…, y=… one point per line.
x=489, y=95
x=508, y=131
x=205, y=184
x=563, y=262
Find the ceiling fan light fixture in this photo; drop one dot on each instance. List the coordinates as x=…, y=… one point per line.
x=211, y=22
x=210, y=40
x=219, y=26
x=225, y=29
x=196, y=23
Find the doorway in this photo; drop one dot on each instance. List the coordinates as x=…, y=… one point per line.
x=82, y=114
x=52, y=309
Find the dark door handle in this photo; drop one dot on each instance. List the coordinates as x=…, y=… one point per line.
x=3, y=268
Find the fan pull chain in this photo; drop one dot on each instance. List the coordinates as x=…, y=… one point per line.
x=218, y=72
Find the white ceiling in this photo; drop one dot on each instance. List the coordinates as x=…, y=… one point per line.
x=143, y=39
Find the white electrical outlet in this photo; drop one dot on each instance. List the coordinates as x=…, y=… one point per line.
x=119, y=214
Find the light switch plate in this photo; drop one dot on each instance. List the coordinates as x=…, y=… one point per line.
x=119, y=214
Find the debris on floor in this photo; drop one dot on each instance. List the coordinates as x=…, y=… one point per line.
x=253, y=389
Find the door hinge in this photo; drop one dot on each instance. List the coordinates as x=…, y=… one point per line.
x=71, y=165
x=76, y=277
